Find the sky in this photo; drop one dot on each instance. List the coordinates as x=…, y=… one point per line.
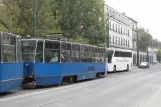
x=146, y=12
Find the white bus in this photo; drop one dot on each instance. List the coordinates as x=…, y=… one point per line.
x=119, y=60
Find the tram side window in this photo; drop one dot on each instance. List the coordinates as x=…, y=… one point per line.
x=83, y=53
x=19, y=50
x=102, y=53
x=52, y=51
x=66, y=52
x=39, y=52
x=97, y=54
x=5, y=39
x=90, y=54
x=75, y=52
x=9, y=49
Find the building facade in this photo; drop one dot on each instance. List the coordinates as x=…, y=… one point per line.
x=122, y=34
x=120, y=31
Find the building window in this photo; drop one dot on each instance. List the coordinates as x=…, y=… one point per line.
x=121, y=30
x=119, y=41
x=124, y=30
x=113, y=26
x=128, y=43
x=116, y=40
x=116, y=27
x=110, y=39
x=128, y=33
x=124, y=42
x=110, y=25
x=113, y=40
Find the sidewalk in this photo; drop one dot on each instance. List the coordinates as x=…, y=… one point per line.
x=154, y=100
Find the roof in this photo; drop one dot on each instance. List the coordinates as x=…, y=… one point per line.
x=122, y=14
x=41, y=39
x=11, y=34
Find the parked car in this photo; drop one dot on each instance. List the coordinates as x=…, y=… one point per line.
x=144, y=65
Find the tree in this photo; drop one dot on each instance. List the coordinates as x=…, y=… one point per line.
x=18, y=17
x=159, y=55
x=83, y=19
x=145, y=39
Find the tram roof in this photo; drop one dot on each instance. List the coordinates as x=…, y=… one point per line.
x=11, y=34
x=42, y=39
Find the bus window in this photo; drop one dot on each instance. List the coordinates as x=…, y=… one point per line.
x=110, y=55
x=28, y=50
x=66, y=52
x=39, y=52
x=52, y=51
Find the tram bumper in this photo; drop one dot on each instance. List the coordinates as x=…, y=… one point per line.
x=30, y=85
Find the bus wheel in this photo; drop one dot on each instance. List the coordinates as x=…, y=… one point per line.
x=127, y=68
x=114, y=68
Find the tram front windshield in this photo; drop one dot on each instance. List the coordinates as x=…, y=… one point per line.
x=28, y=50
x=110, y=54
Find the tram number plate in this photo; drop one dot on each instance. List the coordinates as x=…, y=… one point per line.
x=91, y=68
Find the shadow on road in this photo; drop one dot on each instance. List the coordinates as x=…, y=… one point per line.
x=6, y=93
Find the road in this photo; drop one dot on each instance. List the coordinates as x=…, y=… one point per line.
x=122, y=89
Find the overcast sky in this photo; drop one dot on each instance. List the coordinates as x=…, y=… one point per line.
x=146, y=12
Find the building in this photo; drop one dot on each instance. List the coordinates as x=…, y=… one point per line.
x=122, y=34
x=120, y=30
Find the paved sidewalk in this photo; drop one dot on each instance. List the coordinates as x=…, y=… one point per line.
x=154, y=100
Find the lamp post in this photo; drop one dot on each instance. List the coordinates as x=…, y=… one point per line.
x=108, y=32
x=137, y=36
x=34, y=25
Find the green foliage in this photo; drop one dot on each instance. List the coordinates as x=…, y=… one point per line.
x=81, y=20
x=69, y=15
x=19, y=17
x=159, y=55
x=145, y=39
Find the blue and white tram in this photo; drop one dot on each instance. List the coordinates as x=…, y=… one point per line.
x=53, y=62
x=11, y=66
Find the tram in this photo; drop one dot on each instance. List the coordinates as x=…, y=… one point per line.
x=53, y=62
x=11, y=65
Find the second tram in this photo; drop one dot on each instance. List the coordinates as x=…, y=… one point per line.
x=51, y=62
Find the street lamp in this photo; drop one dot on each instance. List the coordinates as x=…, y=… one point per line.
x=34, y=25
x=137, y=36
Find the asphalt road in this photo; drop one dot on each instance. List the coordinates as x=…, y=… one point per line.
x=122, y=89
